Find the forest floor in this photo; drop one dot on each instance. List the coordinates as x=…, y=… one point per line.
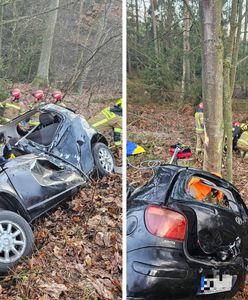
x=157, y=126
x=78, y=246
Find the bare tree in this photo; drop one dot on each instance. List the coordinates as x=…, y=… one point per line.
x=42, y=76
x=186, y=51
x=230, y=66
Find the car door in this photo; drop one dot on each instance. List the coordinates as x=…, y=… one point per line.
x=40, y=183
x=74, y=146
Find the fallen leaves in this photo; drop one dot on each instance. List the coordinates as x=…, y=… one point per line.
x=78, y=250
x=156, y=127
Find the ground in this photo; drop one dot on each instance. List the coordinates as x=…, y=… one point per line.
x=78, y=246
x=157, y=126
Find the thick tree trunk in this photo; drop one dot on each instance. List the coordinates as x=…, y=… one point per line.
x=212, y=83
x=42, y=77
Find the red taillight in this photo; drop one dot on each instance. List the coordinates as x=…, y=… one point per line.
x=165, y=223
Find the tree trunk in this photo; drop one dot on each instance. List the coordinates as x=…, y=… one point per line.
x=212, y=83
x=244, y=81
x=230, y=65
x=42, y=77
x=154, y=27
x=137, y=19
x=1, y=32
x=186, y=51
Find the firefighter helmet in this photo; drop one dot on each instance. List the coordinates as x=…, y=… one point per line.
x=16, y=93
x=39, y=95
x=57, y=95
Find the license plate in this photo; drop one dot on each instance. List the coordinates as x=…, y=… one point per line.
x=216, y=284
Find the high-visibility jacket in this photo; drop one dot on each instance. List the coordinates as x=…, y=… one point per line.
x=109, y=119
x=244, y=126
x=200, y=190
x=243, y=140
x=199, y=121
x=10, y=110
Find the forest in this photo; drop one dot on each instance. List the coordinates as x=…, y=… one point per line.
x=180, y=55
x=74, y=46
x=168, y=47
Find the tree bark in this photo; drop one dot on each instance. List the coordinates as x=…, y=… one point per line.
x=154, y=27
x=186, y=51
x=212, y=83
x=1, y=32
x=230, y=66
x=42, y=77
x=137, y=19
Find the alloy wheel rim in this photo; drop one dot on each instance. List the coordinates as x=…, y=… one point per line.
x=106, y=160
x=12, y=241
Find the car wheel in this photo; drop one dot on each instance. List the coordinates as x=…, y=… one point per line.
x=104, y=159
x=16, y=239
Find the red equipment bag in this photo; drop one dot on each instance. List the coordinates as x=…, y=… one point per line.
x=184, y=151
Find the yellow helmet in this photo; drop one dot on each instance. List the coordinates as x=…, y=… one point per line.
x=119, y=102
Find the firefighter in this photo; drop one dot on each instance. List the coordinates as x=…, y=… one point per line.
x=110, y=120
x=238, y=129
x=242, y=144
x=57, y=96
x=12, y=108
x=199, y=124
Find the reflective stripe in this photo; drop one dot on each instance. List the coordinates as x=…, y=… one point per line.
x=199, y=121
x=33, y=122
x=243, y=141
x=244, y=126
x=12, y=105
x=100, y=123
x=244, y=138
x=118, y=130
x=108, y=114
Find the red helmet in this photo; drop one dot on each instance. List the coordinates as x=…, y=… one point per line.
x=57, y=95
x=237, y=124
x=39, y=95
x=201, y=105
x=16, y=93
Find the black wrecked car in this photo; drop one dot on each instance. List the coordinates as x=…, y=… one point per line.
x=180, y=247
x=49, y=153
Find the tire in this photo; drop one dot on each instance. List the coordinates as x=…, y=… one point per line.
x=22, y=241
x=104, y=159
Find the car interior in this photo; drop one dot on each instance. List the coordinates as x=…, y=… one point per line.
x=209, y=193
x=39, y=128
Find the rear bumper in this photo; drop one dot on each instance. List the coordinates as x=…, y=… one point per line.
x=164, y=273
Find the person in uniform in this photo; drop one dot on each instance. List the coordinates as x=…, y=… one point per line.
x=109, y=120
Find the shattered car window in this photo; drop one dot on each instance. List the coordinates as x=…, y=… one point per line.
x=202, y=190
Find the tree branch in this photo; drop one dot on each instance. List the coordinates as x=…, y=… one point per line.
x=4, y=22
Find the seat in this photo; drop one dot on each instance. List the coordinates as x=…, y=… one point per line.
x=49, y=125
